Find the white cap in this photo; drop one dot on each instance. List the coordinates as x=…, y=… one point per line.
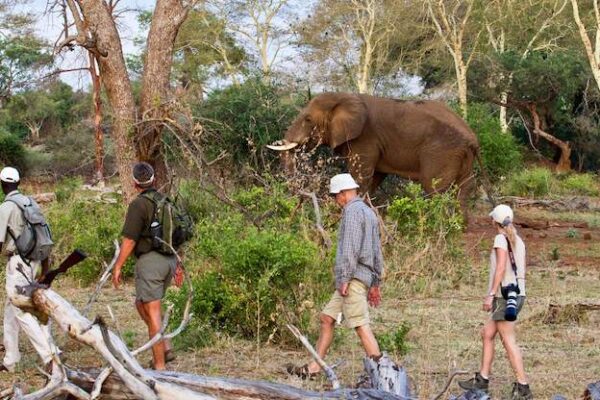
x=9, y=174
x=502, y=214
x=342, y=182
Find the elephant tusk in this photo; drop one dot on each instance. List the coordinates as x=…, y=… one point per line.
x=282, y=145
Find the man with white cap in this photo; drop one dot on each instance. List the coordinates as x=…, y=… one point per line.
x=358, y=272
x=12, y=224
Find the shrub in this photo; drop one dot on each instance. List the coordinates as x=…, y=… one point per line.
x=581, y=184
x=394, y=341
x=12, y=151
x=427, y=254
x=244, y=118
x=501, y=153
x=256, y=279
x=91, y=226
x=536, y=182
x=420, y=217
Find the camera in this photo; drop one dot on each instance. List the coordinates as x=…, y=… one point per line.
x=510, y=294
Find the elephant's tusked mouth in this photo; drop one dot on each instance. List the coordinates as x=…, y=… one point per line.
x=282, y=145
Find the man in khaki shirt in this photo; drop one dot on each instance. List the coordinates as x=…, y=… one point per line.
x=12, y=223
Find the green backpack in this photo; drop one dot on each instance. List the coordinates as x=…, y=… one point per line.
x=171, y=224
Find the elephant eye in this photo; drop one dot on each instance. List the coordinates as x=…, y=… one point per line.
x=307, y=119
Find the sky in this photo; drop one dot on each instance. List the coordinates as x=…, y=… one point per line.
x=49, y=26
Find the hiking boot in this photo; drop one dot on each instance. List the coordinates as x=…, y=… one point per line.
x=521, y=392
x=476, y=383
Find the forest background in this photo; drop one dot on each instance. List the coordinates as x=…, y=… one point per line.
x=212, y=82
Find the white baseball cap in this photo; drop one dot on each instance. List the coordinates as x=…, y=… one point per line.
x=342, y=182
x=9, y=174
x=502, y=214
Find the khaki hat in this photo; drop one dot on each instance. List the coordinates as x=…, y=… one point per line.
x=342, y=182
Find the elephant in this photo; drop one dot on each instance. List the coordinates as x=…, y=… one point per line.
x=420, y=140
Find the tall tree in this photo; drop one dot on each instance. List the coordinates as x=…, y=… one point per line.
x=459, y=32
x=357, y=43
x=260, y=24
x=521, y=27
x=592, y=49
x=137, y=133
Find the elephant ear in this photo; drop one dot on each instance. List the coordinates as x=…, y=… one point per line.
x=347, y=120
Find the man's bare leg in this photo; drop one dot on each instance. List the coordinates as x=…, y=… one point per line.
x=152, y=311
x=368, y=340
x=325, y=339
x=140, y=308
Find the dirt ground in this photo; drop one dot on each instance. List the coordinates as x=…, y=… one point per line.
x=560, y=358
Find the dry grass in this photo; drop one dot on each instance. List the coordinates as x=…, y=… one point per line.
x=559, y=358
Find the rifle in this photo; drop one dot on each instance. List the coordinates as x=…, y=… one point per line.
x=73, y=259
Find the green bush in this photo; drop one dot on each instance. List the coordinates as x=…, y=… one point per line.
x=250, y=281
x=580, y=184
x=244, y=118
x=88, y=225
x=536, y=182
x=395, y=341
x=501, y=153
x=12, y=151
x=417, y=216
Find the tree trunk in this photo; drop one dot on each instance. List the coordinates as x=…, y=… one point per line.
x=168, y=17
x=118, y=87
x=503, y=113
x=99, y=136
x=592, y=54
x=564, y=162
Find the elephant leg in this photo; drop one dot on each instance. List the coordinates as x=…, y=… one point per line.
x=362, y=168
x=376, y=180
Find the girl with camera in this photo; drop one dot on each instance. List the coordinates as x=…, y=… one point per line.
x=504, y=300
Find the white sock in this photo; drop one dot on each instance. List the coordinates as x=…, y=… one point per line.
x=487, y=378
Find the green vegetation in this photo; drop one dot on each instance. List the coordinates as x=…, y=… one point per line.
x=244, y=118
x=541, y=182
x=500, y=153
x=250, y=281
x=395, y=341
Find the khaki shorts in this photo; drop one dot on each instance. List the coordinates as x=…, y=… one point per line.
x=153, y=272
x=499, y=307
x=353, y=307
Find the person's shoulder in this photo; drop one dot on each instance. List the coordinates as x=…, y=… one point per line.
x=500, y=241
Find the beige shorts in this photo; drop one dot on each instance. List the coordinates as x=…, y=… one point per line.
x=353, y=307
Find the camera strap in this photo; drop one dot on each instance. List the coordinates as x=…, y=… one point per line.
x=511, y=255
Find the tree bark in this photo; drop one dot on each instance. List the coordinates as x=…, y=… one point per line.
x=156, y=94
x=564, y=163
x=98, y=134
x=107, y=45
x=593, y=54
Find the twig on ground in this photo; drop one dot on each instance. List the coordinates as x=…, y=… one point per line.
x=319, y=222
x=448, y=382
x=329, y=372
x=97, y=389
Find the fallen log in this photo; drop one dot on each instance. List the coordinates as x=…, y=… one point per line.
x=568, y=313
x=135, y=382
x=571, y=204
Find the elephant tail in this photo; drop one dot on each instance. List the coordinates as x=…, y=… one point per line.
x=487, y=184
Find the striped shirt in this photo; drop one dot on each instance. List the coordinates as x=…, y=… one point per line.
x=359, y=253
